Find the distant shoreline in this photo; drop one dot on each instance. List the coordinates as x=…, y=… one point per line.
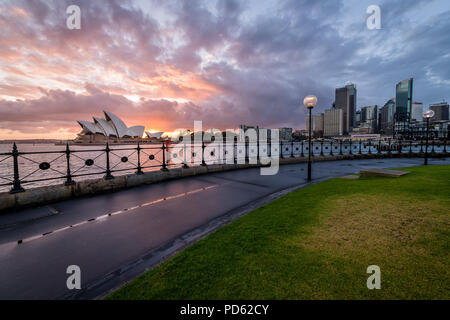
x=71, y=142
x=33, y=141
x=114, y=143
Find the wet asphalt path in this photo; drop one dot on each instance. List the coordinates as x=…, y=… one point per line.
x=132, y=222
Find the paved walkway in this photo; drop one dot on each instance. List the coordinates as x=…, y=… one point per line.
x=115, y=236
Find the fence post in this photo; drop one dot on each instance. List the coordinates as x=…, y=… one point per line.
x=410, y=146
x=139, y=168
x=219, y=152
x=292, y=149
x=351, y=147
x=340, y=147
x=370, y=146
x=360, y=149
x=389, y=146
x=69, y=180
x=445, y=145
x=302, y=155
x=257, y=151
x=164, y=165
x=280, y=147
x=16, y=183
x=203, y=154
x=280, y=150
x=379, y=146
x=321, y=148
x=108, y=167
x=185, y=165
x=235, y=152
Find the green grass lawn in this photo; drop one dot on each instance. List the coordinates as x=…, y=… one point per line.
x=317, y=242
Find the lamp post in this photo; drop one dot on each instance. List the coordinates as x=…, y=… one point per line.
x=309, y=102
x=427, y=115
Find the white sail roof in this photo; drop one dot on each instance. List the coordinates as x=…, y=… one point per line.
x=111, y=126
x=156, y=135
x=108, y=130
x=117, y=123
x=136, y=131
x=90, y=126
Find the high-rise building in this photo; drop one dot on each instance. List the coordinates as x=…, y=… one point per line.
x=307, y=123
x=403, y=100
x=369, y=113
x=318, y=124
x=357, y=118
x=346, y=101
x=333, y=122
x=369, y=118
x=416, y=111
x=440, y=111
x=387, y=117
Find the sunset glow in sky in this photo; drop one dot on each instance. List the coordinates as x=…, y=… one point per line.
x=164, y=64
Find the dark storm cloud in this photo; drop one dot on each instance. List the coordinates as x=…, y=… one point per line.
x=266, y=56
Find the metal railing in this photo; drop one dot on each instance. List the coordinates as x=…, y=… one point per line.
x=72, y=163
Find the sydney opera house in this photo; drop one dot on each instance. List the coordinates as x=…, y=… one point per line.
x=110, y=128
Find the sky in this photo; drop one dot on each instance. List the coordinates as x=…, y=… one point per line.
x=164, y=64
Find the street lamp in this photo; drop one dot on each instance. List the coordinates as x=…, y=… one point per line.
x=309, y=102
x=427, y=115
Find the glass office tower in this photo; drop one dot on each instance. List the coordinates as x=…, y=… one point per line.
x=345, y=100
x=387, y=117
x=403, y=99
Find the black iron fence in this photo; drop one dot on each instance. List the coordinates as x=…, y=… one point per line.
x=19, y=168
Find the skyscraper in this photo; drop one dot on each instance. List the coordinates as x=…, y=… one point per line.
x=369, y=113
x=333, y=122
x=346, y=101
x=387, y=117
x=403, y=100
x=416, y=111
x=318, y=125
x=369, y=117
x=307, y=123
x=440, y=111
x=357, y=118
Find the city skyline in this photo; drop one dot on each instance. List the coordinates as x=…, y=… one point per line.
x=225, y=63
